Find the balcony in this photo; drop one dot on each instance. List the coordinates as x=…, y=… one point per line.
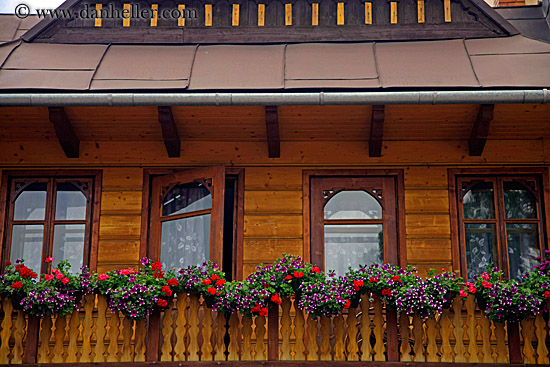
x=192, y=332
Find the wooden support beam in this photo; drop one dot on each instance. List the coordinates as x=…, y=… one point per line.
x=272, y=127
x=480, y=131
x=376, y=131
x=64, y=130
x=169, y=131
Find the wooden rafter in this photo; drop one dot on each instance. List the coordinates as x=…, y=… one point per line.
x=64, y=131
x=272, y=128
x=376, y=131
x=169, y=131
x=480, y=131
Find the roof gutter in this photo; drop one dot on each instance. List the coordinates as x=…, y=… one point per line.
x=282, y=98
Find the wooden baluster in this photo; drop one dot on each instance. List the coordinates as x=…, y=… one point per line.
x=540, y=332
x=527, y=332
x=6, y=331
x=285, y=331
x=418, y=336
x=207, y=331
x=432, y=353
x=87, y=328
x=18, y=336
x=458, y=331
x=339, y=335
x=193, y=347
x=127, y=331
x=247, y=336
x=446, y=331
x=379, y=332
x=59, y=336
x=353, y=347
x=501, y=348
x=472, y=330
x=366, y=330
x=141, y=333
x=74, y=333
x=312, y=346
x=167, y=332
x=234, y=338
x=299, y=332
x=404, y=330
x=45, y=336
x=260, y=339
x=485, y=354
x=220, y=335
x=181, y=321
x=113, y=354
x=100, y=329
x=325, y=339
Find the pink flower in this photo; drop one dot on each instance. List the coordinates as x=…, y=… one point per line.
x=65, y=280
x=462, y=294
x=485, y=276
x=58, y=275
x=486, y=284
x=472, y=289
x=49, y=259
x=48, y=277
x=103, y=276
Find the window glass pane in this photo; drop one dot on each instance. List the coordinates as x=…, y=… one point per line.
x=353, y=245
x=478, y=203
x=68, y=244
x=481, y=247
x=26, y=244
x=186, y=198
x=70, y=203
x=31, y=203
x=519, y=203
x=185, y=241
x=523, y=247
x=353, y=205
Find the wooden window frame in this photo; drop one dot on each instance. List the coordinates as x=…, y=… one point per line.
x=457, y=249
x=92, y=233
x=397, y=174
x=238, y=226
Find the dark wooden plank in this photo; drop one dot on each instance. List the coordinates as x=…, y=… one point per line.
x=376, y=131
x=392, y=332
x=31, y=345
x=514, y=342
x=169, y=131
x=480, y=131
x=153, y=337
x=272, y=128
x=273, y=332
x=64, y=130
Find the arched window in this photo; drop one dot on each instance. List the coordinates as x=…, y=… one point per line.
x=500, y=222
x=353, y=222
x=50, y=217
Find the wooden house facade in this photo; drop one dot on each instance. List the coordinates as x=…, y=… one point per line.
x=424, y=124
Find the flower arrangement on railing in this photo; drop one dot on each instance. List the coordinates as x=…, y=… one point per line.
x=137, y=292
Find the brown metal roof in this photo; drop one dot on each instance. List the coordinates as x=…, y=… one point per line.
x=506, y=62
x=238, y=67
x=425, y=64
x=128, y=67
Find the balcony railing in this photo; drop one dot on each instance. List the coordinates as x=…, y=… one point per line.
x=190, y=331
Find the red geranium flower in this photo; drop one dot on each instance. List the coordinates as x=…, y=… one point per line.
x=158, y=274
x=373, y=280
x=206, y=281
x=49, y=259
x=157, y=265
x=396, y=278
x=263, y=311
x=220, y=282
x=172, y=282
x=17, y=285
x=8, y=263
x=298, y=274
x=166, y=289
x=162, y=303
x=347, y=304
x=486, y=284
x=288, y=277
x=315, y=269
x=357, y=284
x=547, y=294
x=276, y=299
x=215, y=277
x=386, y=292
x=211, y=290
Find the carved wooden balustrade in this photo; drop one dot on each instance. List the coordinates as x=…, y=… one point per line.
x=190, y=331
